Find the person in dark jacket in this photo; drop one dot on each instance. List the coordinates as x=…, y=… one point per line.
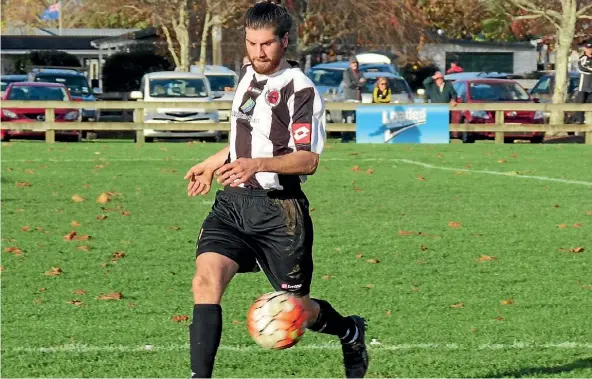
x=438, y=90
x=353, y=82
x=584, y=94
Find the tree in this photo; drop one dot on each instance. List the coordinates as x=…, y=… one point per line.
x=123, y=71
x=561, y=18
x=458, y=19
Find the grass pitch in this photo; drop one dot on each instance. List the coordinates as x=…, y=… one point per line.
x=460, y=272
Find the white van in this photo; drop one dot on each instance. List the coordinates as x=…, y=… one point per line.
x=223, y=82
x=175, y=86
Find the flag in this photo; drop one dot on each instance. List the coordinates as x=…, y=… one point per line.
x=52, y=12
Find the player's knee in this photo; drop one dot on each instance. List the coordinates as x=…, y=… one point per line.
x=212, y=275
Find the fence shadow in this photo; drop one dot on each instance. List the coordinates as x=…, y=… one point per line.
x=534, y=371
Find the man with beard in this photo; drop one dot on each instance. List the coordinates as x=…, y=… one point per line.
x=261, y=219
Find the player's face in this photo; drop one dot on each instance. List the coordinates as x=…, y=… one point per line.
x=265, y=49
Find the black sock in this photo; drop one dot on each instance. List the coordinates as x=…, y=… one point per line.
x=331, y=322
x=205, y=332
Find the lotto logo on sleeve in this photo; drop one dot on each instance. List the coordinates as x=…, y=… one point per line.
x=302, y=133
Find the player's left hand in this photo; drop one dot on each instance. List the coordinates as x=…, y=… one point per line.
x=237, y=172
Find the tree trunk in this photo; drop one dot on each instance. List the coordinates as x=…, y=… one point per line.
x=182, y=35
x=204, y=41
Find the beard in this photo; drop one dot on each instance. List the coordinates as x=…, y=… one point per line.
x=267, y=66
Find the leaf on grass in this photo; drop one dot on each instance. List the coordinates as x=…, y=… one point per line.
x=55, y=271
x=484, y=258
x=37, y=301
x=101, y=217
x=77, y=303
x=9, y=169
x=458, y=305
x=59, y=210
x=589, y=213
x=407, y=233
x=75, y=224
x=577, y=226
x=356, y=168
x=338, y=249
x=507, y=301
x=356, y=188
x=173, y=227
x=370, y=171
x=85, y=237
x=477, y=234
x=126, y=213
x=415, y=288
x=84, y=248
x=555, y=205
x=373, y=261
x=29, y=171
x=388, y=313
x=422, y=178
x=354, y=153
x=423, y=248
x=312, y=209
x=23, y=184
x=501, y=161
x=25, y=228
x=70, y=236
x=19, y=210
x=13, y=250
x=118, y=254
x=454, y=224
x=42, y=289
x=86, y=186
x=369, y=286
x=499, y=318
x=111, y=296
x=577, y=250
x=236, y=322
x=182, y=318
x=77, y=198
x=439, y=155
x=327, y=277
x=359, y=256
x=562, y=226
x=2, y=268
x=420, y=261
x=79, y=292
x=103, y=198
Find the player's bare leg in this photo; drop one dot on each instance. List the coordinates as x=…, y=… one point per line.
x=351, y=330
x=212, y=274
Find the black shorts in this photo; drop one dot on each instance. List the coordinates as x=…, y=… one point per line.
x=271, y=230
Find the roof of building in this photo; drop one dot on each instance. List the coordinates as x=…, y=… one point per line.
x=66, y=32
x=46, y=43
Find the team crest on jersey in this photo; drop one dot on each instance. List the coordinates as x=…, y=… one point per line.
x=272, y=97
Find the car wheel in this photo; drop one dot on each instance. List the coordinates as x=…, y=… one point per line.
x=537, y=139
x=6, y=137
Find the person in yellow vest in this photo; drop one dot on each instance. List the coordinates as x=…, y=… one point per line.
x=382, y=92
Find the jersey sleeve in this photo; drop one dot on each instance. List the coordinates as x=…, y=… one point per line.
x=308, y=119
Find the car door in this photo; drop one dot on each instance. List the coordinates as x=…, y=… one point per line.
x=461, y=90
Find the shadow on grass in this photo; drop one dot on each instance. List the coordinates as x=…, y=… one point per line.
x=537, y=371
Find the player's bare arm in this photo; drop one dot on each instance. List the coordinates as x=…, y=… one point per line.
x=201, y=175
x=297, y=163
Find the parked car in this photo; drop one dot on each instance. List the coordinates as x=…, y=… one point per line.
x=28, y=91
x=223, y=82
x=401, y=92
x=493, y=91
x=173, y=87
x=5, y=80
x=544, y=88
x=74, y=79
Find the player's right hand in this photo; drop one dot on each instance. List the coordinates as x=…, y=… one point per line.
x=200, y=180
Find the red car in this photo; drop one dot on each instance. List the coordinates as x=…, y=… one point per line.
x=29, y=91
x=494, y=91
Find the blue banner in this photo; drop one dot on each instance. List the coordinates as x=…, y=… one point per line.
x=413, y=123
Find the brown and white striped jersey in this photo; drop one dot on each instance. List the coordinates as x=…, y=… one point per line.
x=274, y=115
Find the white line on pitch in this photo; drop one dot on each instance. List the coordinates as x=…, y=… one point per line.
x=375, y=346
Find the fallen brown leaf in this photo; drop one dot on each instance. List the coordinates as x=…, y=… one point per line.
x=420, y=261
x=126, y=213
x=37, y=301
x=415, y=288
x=79, y=292
x=407, y=233
x=29, y=171
x=13, y=250
x=75, y=224
x=454, y=224
x=508, y=302
x=23, y=184
x=86, y=186
x=354, y=153
x=101, y=217
x=515, y=155
x=118, y=254
x=501, y=161
x=103, y=198
x=77, y=303
x=312, y=209
x=422, y=178
x=338, y=249
x=369, y=286
x=468, y=166
x=484, y=258
x=356, y=168
x=577, y=250
x=42, y=289
x=173, y=227
x=458, y=305
x=359, y=256
x=499, y=318
x=55, y=271
x=327, y=277
x=577, y=226
x=182, y=318
x=82, y=238
x=2, y=268
x=423, y=248
x=25, y=228
x=438, y=155
x=19, y=210
x=555, y=205
x=370, y=171
x=84, y=248
x=70, y=236
x=388, y=313
x=236, y=322
x=111, y=296
x=59, y=210
x=562, y=226
x=9, y=169
x=589, y=213
x=78, y=199
x=373, y=261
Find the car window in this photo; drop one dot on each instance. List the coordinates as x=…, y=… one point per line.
x=497, y=92
x=6, y=82
x=322, y=77
x=38, y=93
x=175, y=87
x=543, y=87
x=78, y=85
x=397, y=86
x=222, y=82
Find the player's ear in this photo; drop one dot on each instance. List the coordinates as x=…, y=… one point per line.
x=285, y=41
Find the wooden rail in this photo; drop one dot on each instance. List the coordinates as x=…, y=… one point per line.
x=50, y=126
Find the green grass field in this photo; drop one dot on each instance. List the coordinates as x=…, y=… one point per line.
x=480, y=270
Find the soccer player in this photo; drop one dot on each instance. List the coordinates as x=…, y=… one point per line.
x=261, y=219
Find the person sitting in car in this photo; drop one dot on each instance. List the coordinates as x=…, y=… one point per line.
x=382, y=92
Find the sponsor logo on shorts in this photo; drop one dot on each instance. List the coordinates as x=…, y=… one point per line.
x=286, y=286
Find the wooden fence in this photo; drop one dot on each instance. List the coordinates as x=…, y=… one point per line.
x=50, y=126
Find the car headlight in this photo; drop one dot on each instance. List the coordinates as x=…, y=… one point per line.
x=480, y=114
x=539, y=115
x=71, y=116
x=9, y=114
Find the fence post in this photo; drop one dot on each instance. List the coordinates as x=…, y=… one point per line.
x=588, y=134
x=49, y=120
x=139, y=119
x=499, y=120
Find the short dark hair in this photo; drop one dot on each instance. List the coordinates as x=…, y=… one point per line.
x=269, y=14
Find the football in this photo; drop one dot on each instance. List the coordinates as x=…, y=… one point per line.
x=277, y=320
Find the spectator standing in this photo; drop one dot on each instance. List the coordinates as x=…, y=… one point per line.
x=353, y=81
x=440, y=91
x=454, y=68
x=382, y=92
x=584, y=94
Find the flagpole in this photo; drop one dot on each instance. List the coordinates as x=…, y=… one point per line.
x=60, y=16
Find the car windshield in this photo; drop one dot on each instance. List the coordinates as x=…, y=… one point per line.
x=222, y=82
x=177, y=87
x=322, y=77
x=77, y=85
x=397, y=86
x=38, y=93
x=6, y=82
x=497, y=92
